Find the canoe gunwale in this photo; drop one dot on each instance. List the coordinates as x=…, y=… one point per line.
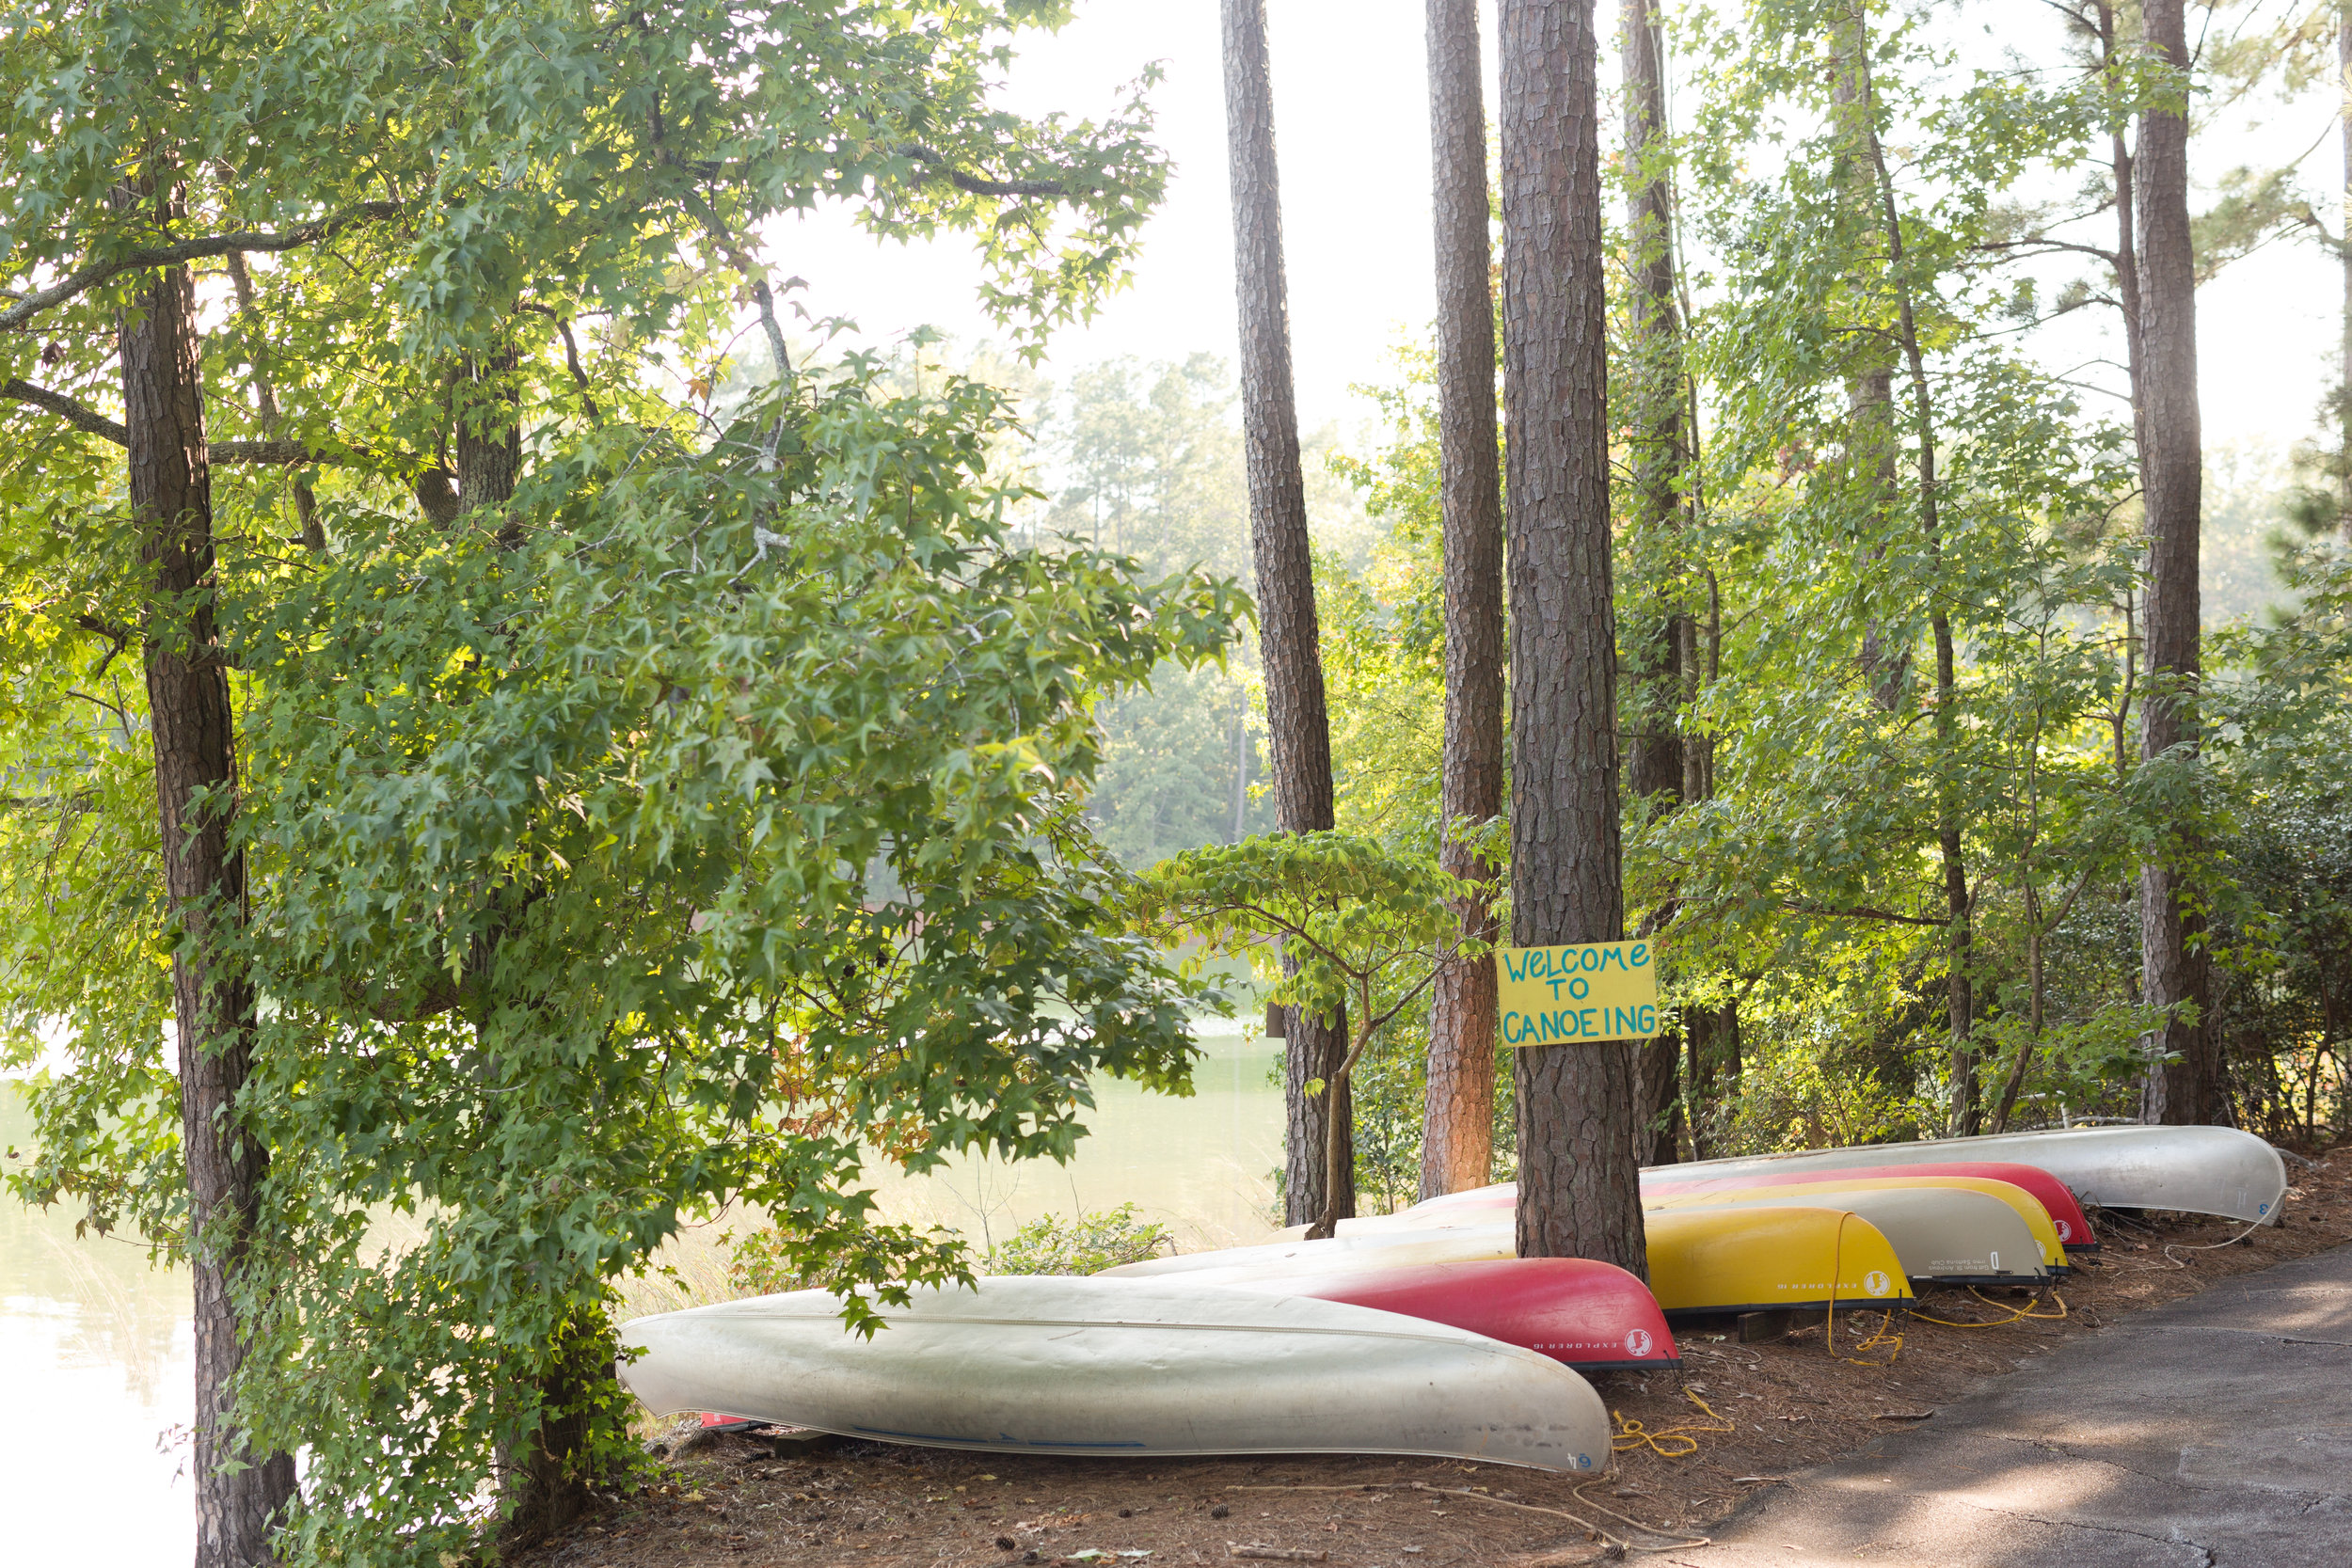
x=1821, y=1303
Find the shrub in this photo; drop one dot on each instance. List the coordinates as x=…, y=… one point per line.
x=1088, y=1245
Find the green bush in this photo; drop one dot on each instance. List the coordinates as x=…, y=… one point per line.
x=1088, y=1245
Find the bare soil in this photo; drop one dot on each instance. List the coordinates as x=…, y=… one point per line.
x=1791, y=1404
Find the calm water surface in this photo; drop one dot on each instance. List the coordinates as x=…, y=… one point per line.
x=94, y=1343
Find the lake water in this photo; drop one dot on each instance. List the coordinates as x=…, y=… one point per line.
x=94, y=1343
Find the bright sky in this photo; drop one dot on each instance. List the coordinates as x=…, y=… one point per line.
x=1353, y=137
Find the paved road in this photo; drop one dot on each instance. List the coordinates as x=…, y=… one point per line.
x=2213, y=1432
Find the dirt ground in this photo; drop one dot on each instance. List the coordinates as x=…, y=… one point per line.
x=1746, y=1414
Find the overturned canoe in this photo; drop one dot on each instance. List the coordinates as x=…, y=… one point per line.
x=1120, y=1366
x=2066, y=1216
x=1747, y=1258
x=1946, y=1235
x=1480, y=1241
x=1735, y=1258
x=1833, y=1188
x=2195, y=1170
x=1594, y=1317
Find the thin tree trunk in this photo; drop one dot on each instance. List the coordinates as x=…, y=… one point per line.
x=1457, y=1126
x=1298, y=730
x=1579, y=1189
x=1871, y=421
x=2171, y=470
x=2343, y=394
x=547, y=1479
x=1654, y=401
x=265, y=395
x=1660, y=455
x=194, y=737
x=489, y=438
x=1714, y=1069
x=1967, y=1110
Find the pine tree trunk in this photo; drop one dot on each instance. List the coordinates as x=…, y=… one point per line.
x=1299, y=731
x=1579, y=1190
x=2344, y=395
x=212, y=1001
x=2173, y=967
x=1457, y=1126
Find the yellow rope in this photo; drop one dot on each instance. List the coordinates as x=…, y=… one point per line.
x=1633, y=1434
x=2015, y=1315
x=1883, y=1337
x=1829, y=1334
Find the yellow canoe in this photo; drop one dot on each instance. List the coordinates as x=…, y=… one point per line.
x=1742, y=1258
x=1831, y=1191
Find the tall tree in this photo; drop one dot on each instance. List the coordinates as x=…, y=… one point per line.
x=192, y=732
x=2182, y=1082
x=1579, y=1191
x=588, y=175
x=1298, y=728
x=1457, y=1129
x=1660, y=455
x=1872, y=413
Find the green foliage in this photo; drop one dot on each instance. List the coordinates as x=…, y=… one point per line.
x=712, y=840
x=701, y=824
x=1324, y=916
x=1335, y=922
x=1099, y=1240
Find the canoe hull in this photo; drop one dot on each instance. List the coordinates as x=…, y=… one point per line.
x=1830, y=1190
x=1593, y=1317
x=1740, y=1258
x=2195, y=1170
x=1121, y=1367
x=1707, y=1261
x=1942, y=1235
x=2056, y=1199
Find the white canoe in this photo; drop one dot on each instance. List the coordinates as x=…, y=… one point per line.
x=1467, y=1241
x=1140, y=1368
x=2192, y=1170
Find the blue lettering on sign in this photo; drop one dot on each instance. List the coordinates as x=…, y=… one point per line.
x=1579, y=1023
x=1545, y=963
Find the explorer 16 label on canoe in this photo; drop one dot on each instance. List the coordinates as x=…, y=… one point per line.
x=1562, y=995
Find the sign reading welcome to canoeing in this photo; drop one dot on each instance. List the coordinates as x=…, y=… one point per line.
x=1562, y=995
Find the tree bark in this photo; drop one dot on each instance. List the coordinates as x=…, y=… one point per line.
x=1299, y=731
x=489, y=439
x=1579, y=1190
x=194, y=738
x=2171, y=469
x=547, y=1477
x=1457, y=1125
x=1714, y=1066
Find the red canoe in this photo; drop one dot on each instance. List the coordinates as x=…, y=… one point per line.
x=1592, y=1316
x=2066, y=1214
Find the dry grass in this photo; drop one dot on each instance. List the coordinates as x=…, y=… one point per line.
x=1791, y=1404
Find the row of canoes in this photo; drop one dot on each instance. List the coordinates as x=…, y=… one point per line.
x=1423, y=1332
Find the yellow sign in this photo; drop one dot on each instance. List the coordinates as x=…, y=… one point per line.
x=1563, y=995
